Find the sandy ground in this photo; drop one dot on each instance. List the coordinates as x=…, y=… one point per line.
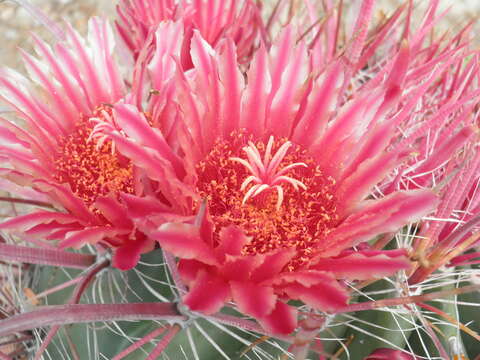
x=16, y=24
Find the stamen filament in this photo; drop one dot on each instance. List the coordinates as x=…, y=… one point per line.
x=263, y=173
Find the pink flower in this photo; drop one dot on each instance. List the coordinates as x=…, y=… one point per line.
x=215, y=19
x=389, y=354
x=71, y=88
x=273, y=174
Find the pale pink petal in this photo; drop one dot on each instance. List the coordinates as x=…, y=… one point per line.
x=376, y=217
x=207, y=294
x=320, y=107
x=206, y=78
x=233, y=85
x=102, y=41
x=157, y=168
x=252, y=299
x=62, y=106
x=135, y=125
x=25, y=222
x=255, y=99
x=88, y=235
x=116, y=213
x=24, y=162
x=21, y=190
x=63, y=196
x=341, y=136
x=289, y=94
x=358, y=266
x=359, y=184
x=445, y=151
x=16, y=91
x=168, y=45
x=42, y=150
x=71, y=90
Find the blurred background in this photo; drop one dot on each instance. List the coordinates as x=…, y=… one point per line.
x=16, y=24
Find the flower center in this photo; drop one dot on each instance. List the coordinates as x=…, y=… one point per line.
x=90, y=167
x=275, y=192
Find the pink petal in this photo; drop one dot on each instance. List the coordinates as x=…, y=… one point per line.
x=320, y=102
x=62, y=106
x=25, y=222
x=239, y=267
x=444, y=152
x=189, y=269
x=273, y=263
x=253, y=299
x=357, y=266
x=291, y=89
x=62, y=195
x=139, y=207
x=281, y=321
x=135, y=125
x=183, y=240
x=20, y=190
x=168, y=43
x=127, y=256
x=69, y=87
x=90, y=235
x=232, y=240
x=324, y=297
x=377, y=217
x=156, y=167
x=389, y=354
x=232, y=80
x=207, y=294
x=15, y=90
x=359, y=184
x=256, y=96
x=102, y=43
x=317, y=289
x=113, y=211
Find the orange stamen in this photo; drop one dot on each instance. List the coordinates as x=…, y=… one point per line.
x=271, y=214
x=92, y=169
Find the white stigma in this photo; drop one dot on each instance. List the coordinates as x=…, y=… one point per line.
x=265, y=173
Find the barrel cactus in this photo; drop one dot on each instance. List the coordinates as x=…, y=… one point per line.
x=242, y=179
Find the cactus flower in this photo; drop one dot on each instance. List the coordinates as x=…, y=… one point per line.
x=70, y=88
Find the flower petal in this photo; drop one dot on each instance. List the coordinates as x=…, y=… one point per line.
x=128, y=254
x=273, y=263
x=282, y=320
x=317, y=289
x=207, y=294
x=183, y=240
x=189, y=269
x=358, y=266
x=25, y=222
x=389, y=354
x=239, y=267
x=232, y=240
x=91, y=235
x=253, y=299
x=377, y=217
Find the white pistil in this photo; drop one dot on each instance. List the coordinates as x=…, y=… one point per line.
x=264, y=174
